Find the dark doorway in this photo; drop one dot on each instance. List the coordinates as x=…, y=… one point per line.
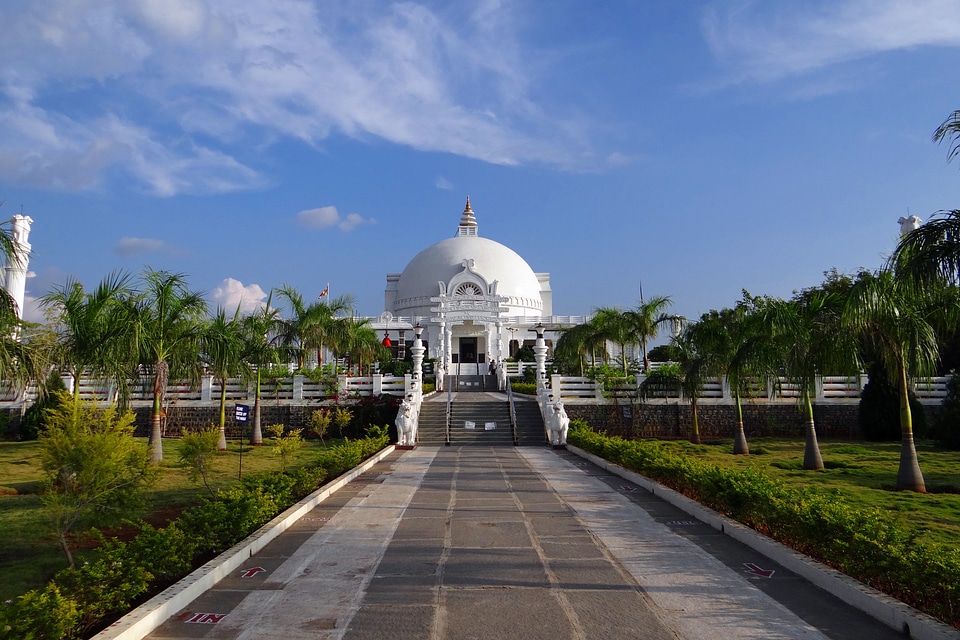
x=468, y=350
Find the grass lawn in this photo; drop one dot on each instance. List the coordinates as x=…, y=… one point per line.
x=30, y=555
x=863, y=473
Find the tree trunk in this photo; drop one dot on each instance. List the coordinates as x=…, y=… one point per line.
x=812, y=460
x=909, y=476
x=222, y=445
x=740, y=437
x=65, y=546
x=695, y=422
x=256, y=438
x=159, y=389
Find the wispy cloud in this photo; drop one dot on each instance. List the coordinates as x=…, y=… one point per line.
x=443, y=183
x=231, y=293
x=173, y=91
x=323, y=217
x=131, y=247
x=765, y=41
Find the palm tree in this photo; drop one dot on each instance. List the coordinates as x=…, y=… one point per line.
x=897, y=322
x=24, y=353
x=739, y=349
x=810, y=341
x=616, y=325
x=931, y=252
x=170, y=319
x=694, y=364
x=646, y=320
x=311, y=326
x=25, y=349
x=222, y=346
x=96, y=331
x=260, y=351
x=576, y=343
x=359, y=343
x=949, y=129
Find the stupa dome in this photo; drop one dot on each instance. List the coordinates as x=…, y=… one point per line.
x=484, y=266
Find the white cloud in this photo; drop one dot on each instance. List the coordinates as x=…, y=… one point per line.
x=135, y=84
x=33, y=311
x=765, y=41
x=443, y=183
x=324, y=217
x=230, y=293
x=130, y=247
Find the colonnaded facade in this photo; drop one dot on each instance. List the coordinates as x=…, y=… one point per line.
x=475, y=299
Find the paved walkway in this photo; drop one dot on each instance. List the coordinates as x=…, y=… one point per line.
x=479, y=542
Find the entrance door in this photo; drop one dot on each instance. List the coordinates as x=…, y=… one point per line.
x=468, y=350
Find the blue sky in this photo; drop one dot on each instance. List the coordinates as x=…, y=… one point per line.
x=698, y=147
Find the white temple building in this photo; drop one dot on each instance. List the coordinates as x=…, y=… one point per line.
x=476, y=299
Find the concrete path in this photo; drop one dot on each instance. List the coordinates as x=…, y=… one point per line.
x=479, y=542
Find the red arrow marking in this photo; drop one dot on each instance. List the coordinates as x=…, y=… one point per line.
x=754, y=569
x=249, y=573
x=628, y=489
x=201, y=618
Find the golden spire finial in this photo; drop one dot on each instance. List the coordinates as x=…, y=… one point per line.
x=467, y=219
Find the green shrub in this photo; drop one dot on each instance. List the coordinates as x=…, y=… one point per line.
x=865, y=544
x=526, y=388
x=40, y=614
x=197, y=450
x=79, y=600
x=34, y=417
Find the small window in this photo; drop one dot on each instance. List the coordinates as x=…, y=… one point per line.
x=468, y=289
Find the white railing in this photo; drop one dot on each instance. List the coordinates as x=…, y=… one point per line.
x=572, y=389
x=575, y=389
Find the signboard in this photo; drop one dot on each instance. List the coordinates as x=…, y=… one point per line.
x=241, y=412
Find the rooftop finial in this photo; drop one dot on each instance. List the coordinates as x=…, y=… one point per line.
x=467, y=219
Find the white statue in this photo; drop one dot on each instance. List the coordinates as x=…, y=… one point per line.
x=440, y=371
x=557, y=424
x=502, y=376
x=908, y=224
x=406, y=425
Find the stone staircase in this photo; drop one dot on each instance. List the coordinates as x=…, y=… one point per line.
x=465, y=384
x=432, y=425
x=530, y=428
x=431, y=428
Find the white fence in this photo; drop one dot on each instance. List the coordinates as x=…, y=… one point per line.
x=571, y=389
x=295, y=389
x=574, y=389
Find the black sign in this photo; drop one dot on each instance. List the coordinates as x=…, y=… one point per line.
x=241, y=412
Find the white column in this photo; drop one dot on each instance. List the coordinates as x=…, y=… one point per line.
x=491, y=344
x=15, y=280
x=540, y=353
x=448, y=347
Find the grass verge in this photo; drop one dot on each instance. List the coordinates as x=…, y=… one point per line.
x=30, y=554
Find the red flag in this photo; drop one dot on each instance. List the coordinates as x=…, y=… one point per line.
x=325, y=291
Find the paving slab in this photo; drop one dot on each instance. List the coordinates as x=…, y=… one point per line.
x=452, y=543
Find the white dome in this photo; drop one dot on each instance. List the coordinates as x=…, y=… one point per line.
x=491, y=260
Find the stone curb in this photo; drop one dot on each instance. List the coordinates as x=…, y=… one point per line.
x=890, y=611
x=150, y=615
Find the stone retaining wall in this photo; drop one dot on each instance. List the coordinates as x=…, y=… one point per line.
x=838, y=421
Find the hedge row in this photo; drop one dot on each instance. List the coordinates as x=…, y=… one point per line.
x=77, y=602
x=864, y=544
